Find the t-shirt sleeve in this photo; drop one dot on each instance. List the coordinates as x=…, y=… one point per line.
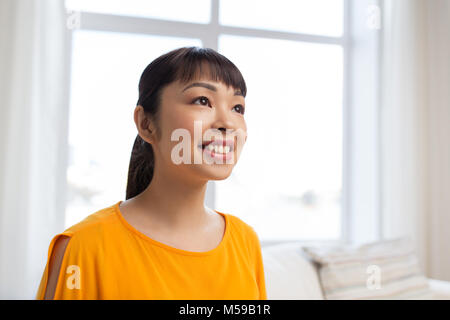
x=76, y=275
x=259, y=266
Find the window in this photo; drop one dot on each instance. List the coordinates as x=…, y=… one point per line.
x=289, y=181
x=319, y=17
x=197, y=11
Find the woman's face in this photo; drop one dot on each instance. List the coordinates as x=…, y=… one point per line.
x=193, y=110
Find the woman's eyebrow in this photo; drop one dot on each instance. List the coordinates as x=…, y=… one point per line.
x=210, y=87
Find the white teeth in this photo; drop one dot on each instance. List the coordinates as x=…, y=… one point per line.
x=219, y=149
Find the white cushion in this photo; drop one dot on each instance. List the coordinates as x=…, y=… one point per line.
x=379, y=270
x=289, y=274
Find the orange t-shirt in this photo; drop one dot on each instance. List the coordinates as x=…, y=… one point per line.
x=107, y=258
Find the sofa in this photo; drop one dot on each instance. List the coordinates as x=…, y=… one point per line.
x=291, y=275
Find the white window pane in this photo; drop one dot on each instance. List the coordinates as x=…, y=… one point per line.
x=198, y=11
x=288, y=181
x=106, y=68
x=320, y=17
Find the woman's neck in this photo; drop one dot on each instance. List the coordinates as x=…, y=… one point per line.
x=174, y=200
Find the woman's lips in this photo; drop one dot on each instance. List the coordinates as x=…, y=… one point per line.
x=223, y=143
x=210, y=147
x=217, y=155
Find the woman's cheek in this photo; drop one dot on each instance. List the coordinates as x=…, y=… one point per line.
x=184, y=120
x=188, y=126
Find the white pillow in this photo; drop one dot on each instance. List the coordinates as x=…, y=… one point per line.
x=288, y=275
x=386, y=269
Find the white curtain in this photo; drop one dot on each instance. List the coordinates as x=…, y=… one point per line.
x=415, y=128
x=33, y=138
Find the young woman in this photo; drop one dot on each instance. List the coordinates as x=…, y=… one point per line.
x=163, y=242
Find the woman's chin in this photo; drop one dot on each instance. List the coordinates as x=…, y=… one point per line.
x=215, y=171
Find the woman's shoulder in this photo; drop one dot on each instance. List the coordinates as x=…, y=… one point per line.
x=94, y=224
x=241, y=226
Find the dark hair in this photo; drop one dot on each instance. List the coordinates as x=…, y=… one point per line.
x=183, y=64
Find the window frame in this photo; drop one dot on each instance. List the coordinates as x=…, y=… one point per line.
x=361, y=194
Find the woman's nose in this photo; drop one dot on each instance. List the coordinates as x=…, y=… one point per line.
x=223, y=119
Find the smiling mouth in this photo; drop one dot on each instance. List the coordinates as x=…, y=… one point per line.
x=219, y=146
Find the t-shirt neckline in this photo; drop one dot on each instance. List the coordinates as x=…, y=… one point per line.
x=170, y=248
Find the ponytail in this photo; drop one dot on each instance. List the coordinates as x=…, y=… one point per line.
x=140, y=171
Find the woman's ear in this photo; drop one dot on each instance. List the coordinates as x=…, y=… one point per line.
x=144, y=125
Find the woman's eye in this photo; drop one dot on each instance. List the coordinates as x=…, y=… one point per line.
x=241, y=108
x=205, y=101
x=202, y=100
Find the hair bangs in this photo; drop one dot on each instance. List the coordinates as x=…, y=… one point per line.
x=195, y=63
